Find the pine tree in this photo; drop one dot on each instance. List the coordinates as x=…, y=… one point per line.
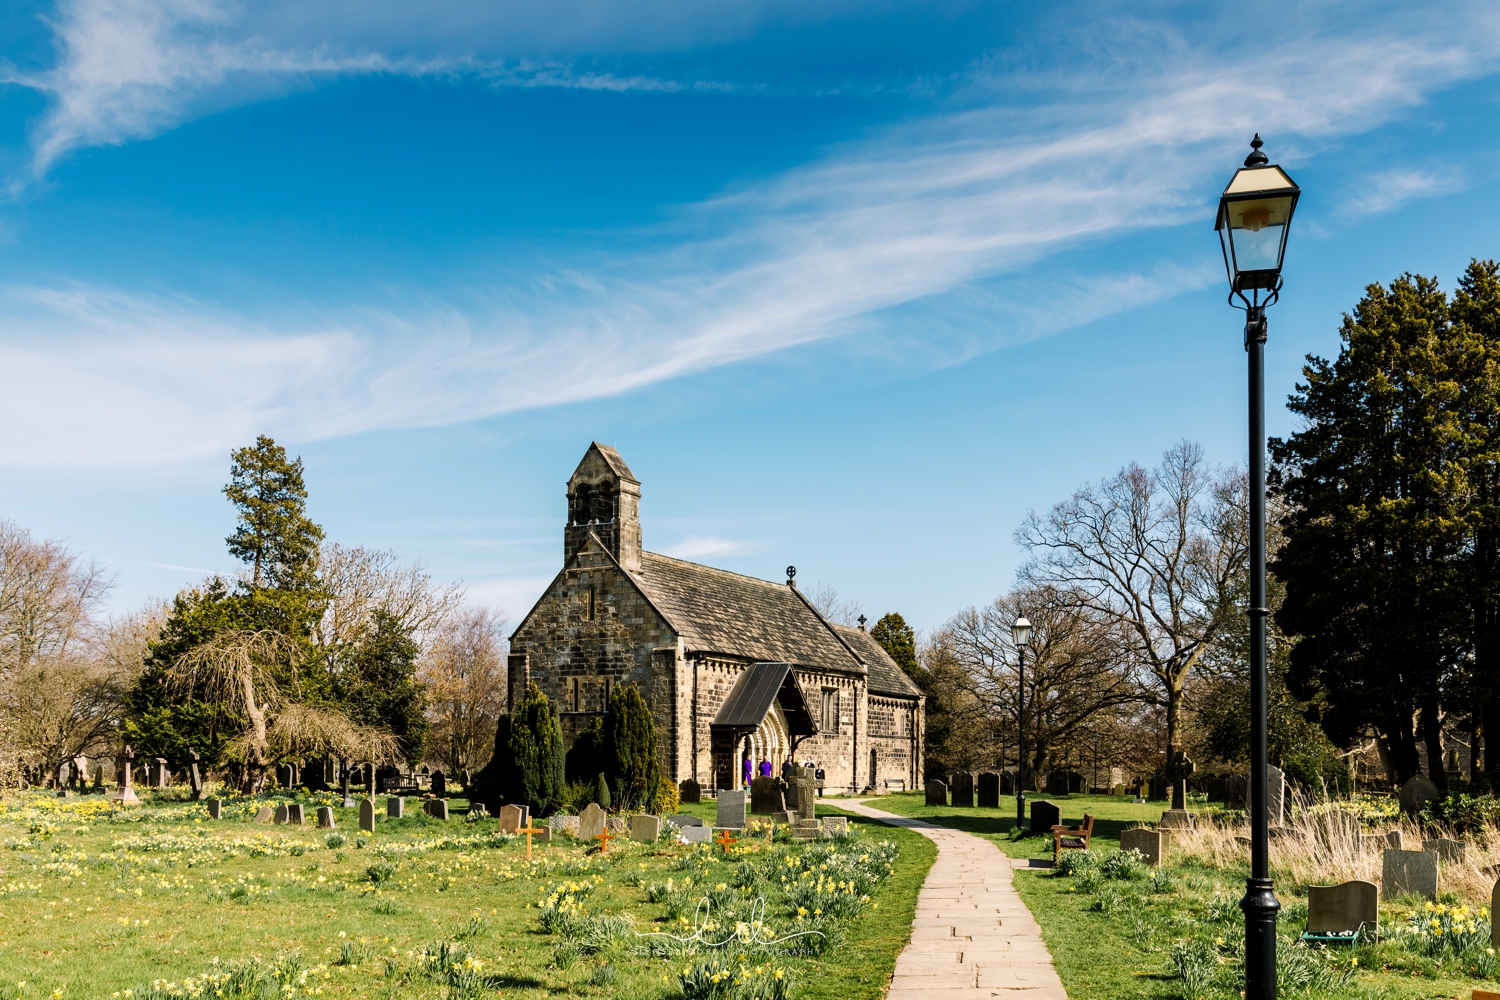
x=274, y=535
x=630, y=749
x=898, y=639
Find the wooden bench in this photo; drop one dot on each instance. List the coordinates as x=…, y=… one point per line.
x=1072, y=838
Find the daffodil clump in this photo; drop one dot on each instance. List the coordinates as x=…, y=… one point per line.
x=1437, y=928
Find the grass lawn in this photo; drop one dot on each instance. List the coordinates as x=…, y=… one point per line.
x=1127, y=938
x=96, y=901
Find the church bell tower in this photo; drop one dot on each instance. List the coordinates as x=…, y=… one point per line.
x=604, y=498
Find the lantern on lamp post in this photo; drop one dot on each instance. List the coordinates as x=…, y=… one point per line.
x=1021, y=633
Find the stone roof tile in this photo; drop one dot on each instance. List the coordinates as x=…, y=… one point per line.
x=886, y=675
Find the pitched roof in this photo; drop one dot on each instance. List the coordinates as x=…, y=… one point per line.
x=886, y=675
x=757, y=688
x=716, y=611
x=614, y=461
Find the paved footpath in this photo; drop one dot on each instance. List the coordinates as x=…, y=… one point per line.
x=971, y=937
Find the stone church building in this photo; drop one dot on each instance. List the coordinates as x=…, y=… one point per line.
x=731, y=666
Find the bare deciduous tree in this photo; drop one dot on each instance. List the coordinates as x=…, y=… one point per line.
x=464, y=669
x=1156, y=553
x=837, y=610
x=48, y=597
x=360, y=580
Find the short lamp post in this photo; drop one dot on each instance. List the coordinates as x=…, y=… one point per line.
x=1021, y=633
x=1255, y=212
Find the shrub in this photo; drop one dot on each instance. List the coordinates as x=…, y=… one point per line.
x=535, y=751
x=630, y=750
x=601, y=792
x=668, y=796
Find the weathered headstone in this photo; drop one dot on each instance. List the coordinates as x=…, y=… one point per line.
x=564, y=824
x=731, y=809
x=1044, y=815
x=1417, y=792
x=1178, y=772
x=683, y=819
x=158, y=772
x=1159, y=788
x=1237, y=792
x=786, y=817
x=325, y=817
x=294, y=814
x=962, y=789
x=126, y=795
x=1337, y=829
x=436, y=808
x=645, y=829
x=766, y=797
x=215, y=809
x=804, y=798
x=696, y=834
x=1448, y=851
x=806, y=829
x=348, y=802
x=512, y=818
x=835, y=826
x=1153, y=844
x=367, y=815
x=1276, y=795
x=281, y=814
x=1404, y=872
x=988, y=792
x=264, y=815
x=395, y=807
x=1342, y=909
x=1393, y=840
x=195, y=776
x=618, y=824
x=1176, y=819
x=591, y=822
x=690, y=792
x=1057, y=783
x=1007, y=783
x=937, y=793
x=439, y=784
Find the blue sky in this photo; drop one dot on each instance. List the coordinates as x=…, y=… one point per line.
x=850, y=285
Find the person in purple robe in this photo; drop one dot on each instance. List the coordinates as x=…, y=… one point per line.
x=749, y=770
x=765, y=769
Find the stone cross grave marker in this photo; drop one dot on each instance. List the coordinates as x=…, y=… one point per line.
x=937, y=792
x=1153, y=844
x=367, y=815
x=731, y=809
x=215, y=809
x=1178, y=773
x=690, y=792
x=1342, y=910
x=325, y=817
x=395, y=807
x=963, y=789
x=126, y=795
x=645, y=829
x=348, y=802
x=195, y=776
x=1409, y=872
x=590, y=822
x=805, y=797
x=512, y=818
x=988, y=792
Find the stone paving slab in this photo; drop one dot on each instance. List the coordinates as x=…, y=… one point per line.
x=972, y=938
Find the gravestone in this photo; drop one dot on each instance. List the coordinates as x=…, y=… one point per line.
x=159, y=772
x=126, y=795
x=1336, y=828
x=439, y=784
x=294, y=814
x=618, y=824
x=281, y=814
x=987, y=794
x=786, y=817
x=512, y=818
x=1494, y=923
x=325, y=817
x=1007, y=783
x=696, y=834
x=683, y=819
x=264, y=815
x=806, y=829
x=962, y=789
x=766, y=797
x=690, y=792
x=1158, y=788
x=1409, y=872
x=731, y=809
x=1448, y=851
x=645, y=829
x=367, y=815
x=215, y=809
x=348, y=802
x=564, y=824
x=284, y=775
x=1342, y=909
x=1237, y=792
x=395, y=807
x=1417, y=792
x=1215, y=788
x=1276, y=795
x=1393, y=840
x=805, y=798
x=1044, y=815
x=436, y=808
x=1153, y=844
x=81, y=771
x=195, y=776
x=835, y=826
x=1057, y=783
x=1178, y=772
x=591, y=822
x=937, y=793
x=1176, y=819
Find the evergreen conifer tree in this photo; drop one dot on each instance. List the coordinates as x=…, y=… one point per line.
x=898, y=639
x=536, y=771
x=601, y=792
x=630, y=749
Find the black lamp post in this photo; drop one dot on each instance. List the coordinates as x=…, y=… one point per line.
x=1255, y=213
x=1021, y=633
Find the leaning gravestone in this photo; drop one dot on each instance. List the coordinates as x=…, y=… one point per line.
x=590, y=822
x=731, y=809
x=1448, y=851
x=835, y=826
x=395, y=807
x=281, y=814
x=294, y=814
x=195, y=776
x=766, y=797
x=988, y=792
x=963, y=789
x=215, y=809
x=367, y=815
x=325, y=817
x=1044, y=815
x=645, y=829
x=1276, y=795
x=1176, y=819
x=264, y=815
x=1342, y=910
x=1153, y=844
x=1237, y=792
x=1413, y=872
x=696, y=834
x=937, y=793
x=1417, y=792
x=512, y=818
x=690, y=792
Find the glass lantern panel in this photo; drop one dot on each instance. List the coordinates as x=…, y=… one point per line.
x=1257, y=250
